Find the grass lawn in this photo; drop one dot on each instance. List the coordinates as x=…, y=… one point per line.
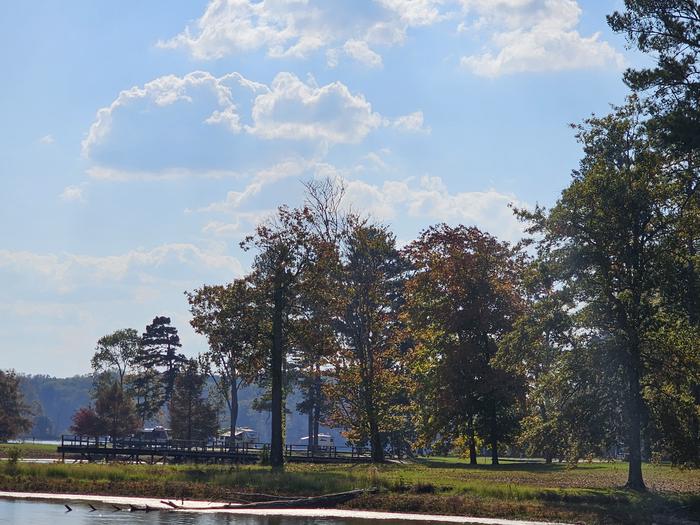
x=30, y=450
x=589, y=493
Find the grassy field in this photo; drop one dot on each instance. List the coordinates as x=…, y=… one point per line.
x=29, y=450
x=589, y=493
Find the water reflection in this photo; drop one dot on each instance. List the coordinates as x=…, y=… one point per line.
x=18, y=512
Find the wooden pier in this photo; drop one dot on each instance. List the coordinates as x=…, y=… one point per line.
x=180, y=451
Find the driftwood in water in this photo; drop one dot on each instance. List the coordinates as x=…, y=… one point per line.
x=327, y=500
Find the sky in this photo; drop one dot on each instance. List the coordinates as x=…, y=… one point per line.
x=141, y=141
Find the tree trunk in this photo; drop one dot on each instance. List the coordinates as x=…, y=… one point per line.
x=635, y=481
x=276, y=445
x=317, y=405
x=375, y=439
x=234, y=409
x=310, y=429
x=472, y=441
x=494, y=437
x=494, y=451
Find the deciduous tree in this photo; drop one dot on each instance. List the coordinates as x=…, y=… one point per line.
x=229, y=318
x=365, y=385
x=117, y=352
x=605, y=237
x=14, y=413
x=461, y=299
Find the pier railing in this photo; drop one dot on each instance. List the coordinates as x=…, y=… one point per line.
x=211, y=447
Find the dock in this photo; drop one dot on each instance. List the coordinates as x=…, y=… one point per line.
x=129, y=450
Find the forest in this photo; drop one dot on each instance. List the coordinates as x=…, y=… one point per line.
x=581, y=340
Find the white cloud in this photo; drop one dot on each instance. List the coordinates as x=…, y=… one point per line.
x=47, y=139
x=65, y=272
x=106, y=173
x=298, y=28
x=416, y=12
x=359, y=50
x=72, y=193
x=170, y=89
x=242, y=224
x=283, y=170
x=534, y=36
x=521, y=35
x=289, y=109
x=293, y=109
x=412, y=122
x=431, y=201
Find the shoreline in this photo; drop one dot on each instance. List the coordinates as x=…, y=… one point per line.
x=204, y=507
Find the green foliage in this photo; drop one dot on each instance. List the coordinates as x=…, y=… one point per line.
x=461, y=301
x=159, y=350
x=114, y=409
x=227, y=316
x=669, y=31
x=366, y=390
x=191, y=416
x=14, y=412
x=117, y=353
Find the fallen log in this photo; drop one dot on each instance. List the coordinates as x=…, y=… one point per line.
x=325, y=501
x=261, y=497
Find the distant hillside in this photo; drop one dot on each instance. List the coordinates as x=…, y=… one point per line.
x=55, y=400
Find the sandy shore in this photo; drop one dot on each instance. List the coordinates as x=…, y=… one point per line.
x=205, y=507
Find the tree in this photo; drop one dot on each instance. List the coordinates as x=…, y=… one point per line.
x=365, y=382
x=669, y=30
x=86, y=422
x=191, y=416
x=227, y=316
x=14, y=412
x=314, y=333
x=146, y=389
x=159, y=345
x=671, y=390
x=114, y=409
x=117, y=352
x=284, y=252
x=571, y=407
x=604, y=238
x=461, y=299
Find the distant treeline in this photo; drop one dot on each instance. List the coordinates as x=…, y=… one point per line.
x=53, y=402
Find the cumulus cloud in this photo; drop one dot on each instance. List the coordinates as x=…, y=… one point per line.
x=519, y=35
x=288, y=109
x=430, y=200
x=65, y=272
x=171, y=89
x=293, y=109
x=426, y=199
x=298, y=28
x=534, y=36
x=47, y=139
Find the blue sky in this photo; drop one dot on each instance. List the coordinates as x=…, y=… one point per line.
x=142, y=140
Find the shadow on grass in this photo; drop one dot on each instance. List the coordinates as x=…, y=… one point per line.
x=522, y=466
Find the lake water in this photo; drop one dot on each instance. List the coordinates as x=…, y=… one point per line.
x=20, y=512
